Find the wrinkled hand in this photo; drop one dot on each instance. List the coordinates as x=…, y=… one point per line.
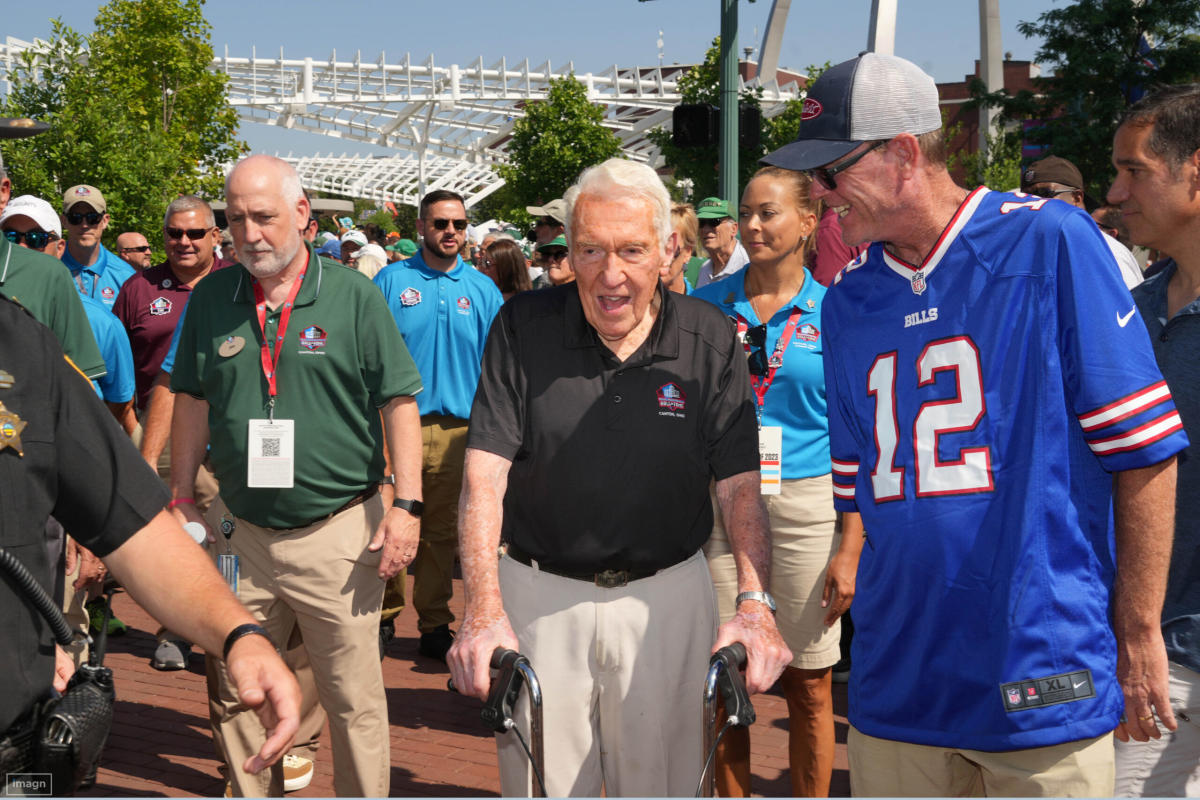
x=398, y=535
x=1142, y=672
x=839, y=586
x=471, y=654
x=64, y=668
x=187, y=512
x=265, y=684
x=766, y=653
x=92, y=571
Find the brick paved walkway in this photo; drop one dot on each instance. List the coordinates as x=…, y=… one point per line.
x=160, y=743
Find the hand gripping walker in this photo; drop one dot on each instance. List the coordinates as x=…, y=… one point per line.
x=723, y=674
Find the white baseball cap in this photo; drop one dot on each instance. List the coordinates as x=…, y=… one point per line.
x=37, y=210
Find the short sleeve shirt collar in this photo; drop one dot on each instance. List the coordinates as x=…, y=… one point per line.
x=663, y=341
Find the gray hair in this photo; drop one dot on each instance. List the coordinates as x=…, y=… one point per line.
x=189, y=202
x=289, y=180
x=618, y=177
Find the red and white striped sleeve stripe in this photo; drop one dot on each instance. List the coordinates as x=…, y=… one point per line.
x=845, y=473
x=1106, y=437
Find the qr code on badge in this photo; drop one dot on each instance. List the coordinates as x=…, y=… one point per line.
x=270, y=448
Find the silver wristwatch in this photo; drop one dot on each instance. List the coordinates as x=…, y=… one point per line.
x=762, y=597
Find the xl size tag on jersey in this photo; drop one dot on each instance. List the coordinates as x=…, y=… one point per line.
x=269, y=457
x=770, y=459
x=227, y=563
x=1037, y=692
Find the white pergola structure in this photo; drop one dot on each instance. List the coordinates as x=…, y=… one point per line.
x=447, y=125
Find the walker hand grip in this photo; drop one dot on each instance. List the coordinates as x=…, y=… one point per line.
x=733, y=688
x=506, y=687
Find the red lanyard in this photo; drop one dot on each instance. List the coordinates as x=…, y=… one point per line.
x=270, y=364
x=761, y=383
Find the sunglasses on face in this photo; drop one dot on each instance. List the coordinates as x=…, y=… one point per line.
x=92, y=217
x=177, y=234
x=712, y=223
x=551, y=221
x=756, y=359
x=442, y=224
x=36, y=240
x=145, y=248
x=825, y=175
x=554, y=255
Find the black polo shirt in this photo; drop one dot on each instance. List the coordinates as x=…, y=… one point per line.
x=73, y=461
x=611, y=461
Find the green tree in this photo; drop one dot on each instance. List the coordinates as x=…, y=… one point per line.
x=133, y=111
x=556, y=140
x=1000, y=170
x=1097, y=51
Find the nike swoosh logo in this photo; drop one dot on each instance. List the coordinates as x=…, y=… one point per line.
x=1123, y=321
x=1077, y=685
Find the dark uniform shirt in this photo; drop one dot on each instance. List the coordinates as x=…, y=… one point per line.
x=78, y=465
x=611, y=461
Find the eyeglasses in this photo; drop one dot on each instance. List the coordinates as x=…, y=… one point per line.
x=92, y=217
x=442, y=224
x=712, y=223
x=177, y=234
x=1047, y=191
x=824, y=175
x=142, y=249
x=551, y=221
x=554, y=255
x=35, y=239
x=756, y=359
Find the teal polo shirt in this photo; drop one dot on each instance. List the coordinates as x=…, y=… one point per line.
x=444, y=318
x=795, y=400
x=342, y=360
x=103, y=280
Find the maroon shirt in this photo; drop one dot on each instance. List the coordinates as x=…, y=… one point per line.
x=149, y=305
x=831, y=252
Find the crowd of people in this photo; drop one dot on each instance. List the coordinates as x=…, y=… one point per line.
x=647, y=430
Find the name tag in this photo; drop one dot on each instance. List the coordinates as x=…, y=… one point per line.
x=770, y=458
x=269, y=456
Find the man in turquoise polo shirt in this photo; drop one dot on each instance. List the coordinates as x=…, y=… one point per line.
x=285, y=366
x=443, y=308
x=98, y=273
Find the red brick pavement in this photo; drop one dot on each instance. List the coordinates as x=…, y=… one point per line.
x=160, y=743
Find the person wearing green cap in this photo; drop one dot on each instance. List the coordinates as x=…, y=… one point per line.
x=718, y=234
x=557, y=263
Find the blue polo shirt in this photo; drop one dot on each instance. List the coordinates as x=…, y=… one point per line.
x=102, y=280
x=444, y=318
x=795, y=400
x=117, y=385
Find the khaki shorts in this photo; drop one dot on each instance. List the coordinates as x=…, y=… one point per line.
x=802, y=542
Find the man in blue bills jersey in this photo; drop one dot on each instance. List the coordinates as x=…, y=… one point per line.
x=1000, y=428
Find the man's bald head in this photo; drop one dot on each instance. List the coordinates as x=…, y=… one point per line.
x=134, y=249
x=266, y=209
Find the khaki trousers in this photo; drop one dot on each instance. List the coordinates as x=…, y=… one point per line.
x=323, y=581
x=887, y=768
x=622, y=676
x=444, y=446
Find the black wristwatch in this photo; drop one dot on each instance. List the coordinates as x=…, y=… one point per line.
x=414, y=507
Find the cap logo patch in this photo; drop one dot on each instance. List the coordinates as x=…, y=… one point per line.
x=82, y=191
x=811, y=109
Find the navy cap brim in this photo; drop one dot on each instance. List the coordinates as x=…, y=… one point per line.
x=808, y=153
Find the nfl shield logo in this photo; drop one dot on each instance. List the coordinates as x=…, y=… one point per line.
x=1014, y=697
x=312, y=338
x=918, y=282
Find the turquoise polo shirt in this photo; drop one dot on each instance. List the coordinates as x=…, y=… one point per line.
x=795, y=400
x=444, y=318
x=118, y=383
x=102, y=280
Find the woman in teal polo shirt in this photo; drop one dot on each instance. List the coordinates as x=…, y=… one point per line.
x=776, y=305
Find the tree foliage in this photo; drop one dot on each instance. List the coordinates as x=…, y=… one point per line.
x=133, y=111
x=1104, y=54
x=556, y=140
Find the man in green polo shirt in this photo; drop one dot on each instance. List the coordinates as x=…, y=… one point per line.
x=285, y=367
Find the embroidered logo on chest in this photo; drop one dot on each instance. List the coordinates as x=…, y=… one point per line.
x=410, y=297
x=160, y=306
x=312, y=338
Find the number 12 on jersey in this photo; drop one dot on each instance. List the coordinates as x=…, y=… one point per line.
x=971, y=471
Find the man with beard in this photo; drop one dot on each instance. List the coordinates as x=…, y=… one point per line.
x=134, y=249
x=443, y=309
x=284, y=368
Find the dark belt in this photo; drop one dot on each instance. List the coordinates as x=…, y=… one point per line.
x=358, y=499
x=607, y=579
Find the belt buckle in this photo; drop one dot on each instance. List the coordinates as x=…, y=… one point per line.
x=612, y=578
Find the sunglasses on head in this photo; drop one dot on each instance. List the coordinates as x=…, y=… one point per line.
x=92, y=217
x=442, y=224
x=1047, y=191
x=177, y=234
x=825, y=175
x=756, y=359
x=145, y=248
x=35, y=239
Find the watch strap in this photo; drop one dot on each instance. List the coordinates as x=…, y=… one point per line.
x=414, y=507
x=762, y=597
x=249, y=629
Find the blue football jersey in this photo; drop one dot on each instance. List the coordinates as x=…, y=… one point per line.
x=977, y=405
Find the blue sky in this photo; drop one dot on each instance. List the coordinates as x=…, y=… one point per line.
x=942, y=36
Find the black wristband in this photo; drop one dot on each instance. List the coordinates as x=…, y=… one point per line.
x=249, y=629
x=414, y=507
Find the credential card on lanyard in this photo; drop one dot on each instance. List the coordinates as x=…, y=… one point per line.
x=770, y=459
x=269, y=457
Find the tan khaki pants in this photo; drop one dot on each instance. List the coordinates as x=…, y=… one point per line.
x=622, y=676
x=322, y=580
x=444, y=446
x=887, y=768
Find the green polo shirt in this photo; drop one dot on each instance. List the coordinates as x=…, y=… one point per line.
x=42, y=284
x=342, y=360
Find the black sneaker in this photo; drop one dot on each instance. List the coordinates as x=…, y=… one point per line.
x=436, y=643
x=387, y=632
x=841, y=671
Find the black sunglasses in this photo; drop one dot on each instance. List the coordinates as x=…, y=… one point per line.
x=712, y=223
x=551, y=221
x=554, y=255
x=142, y=249
x=824, y=175
x=35, y=239
x=442, y=224
x=195, y=234
x=756, y=359
x=92, y=217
